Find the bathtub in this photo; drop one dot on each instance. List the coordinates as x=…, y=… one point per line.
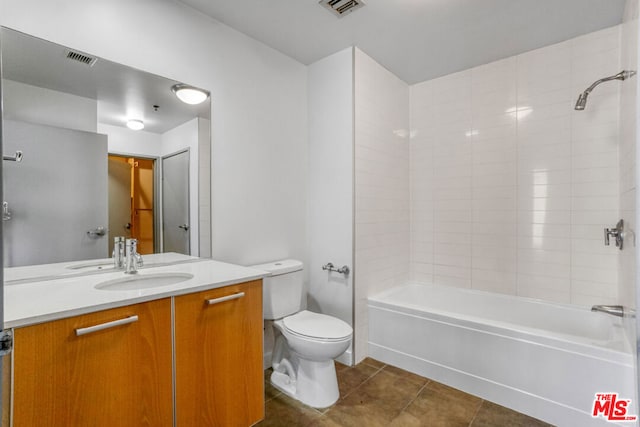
x=542, y=359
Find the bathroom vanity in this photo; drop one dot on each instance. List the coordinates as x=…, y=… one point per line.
x=185, y=354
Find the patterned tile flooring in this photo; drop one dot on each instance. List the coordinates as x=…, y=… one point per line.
x=373, y=394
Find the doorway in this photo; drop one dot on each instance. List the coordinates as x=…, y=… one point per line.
x=131, y=201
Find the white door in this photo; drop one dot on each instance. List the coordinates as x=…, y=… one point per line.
x=175, y=203
x=57, y=195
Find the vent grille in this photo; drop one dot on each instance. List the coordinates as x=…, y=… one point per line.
x=341, y=8
x=81, y=57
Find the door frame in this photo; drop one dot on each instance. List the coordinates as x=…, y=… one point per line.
x=162, y=159
x=157, y=229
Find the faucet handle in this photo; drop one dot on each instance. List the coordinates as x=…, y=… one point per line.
x=139, y=261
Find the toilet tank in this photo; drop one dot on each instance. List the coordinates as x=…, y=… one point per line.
x=282, y=290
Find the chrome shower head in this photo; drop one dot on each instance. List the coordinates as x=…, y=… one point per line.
x=582, y=98
x=582, y=101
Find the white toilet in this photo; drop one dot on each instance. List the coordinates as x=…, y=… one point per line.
x=305, y=342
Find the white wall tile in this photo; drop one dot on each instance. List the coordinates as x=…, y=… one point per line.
x=384, y=249
x=516, y=184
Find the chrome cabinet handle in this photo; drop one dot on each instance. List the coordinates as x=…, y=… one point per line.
x=185, y=227
x=223, y=299
x=107, y=325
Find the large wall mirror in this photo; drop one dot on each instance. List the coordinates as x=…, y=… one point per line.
x=75, y=173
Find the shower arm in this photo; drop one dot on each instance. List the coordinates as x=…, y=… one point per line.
x=622, y=75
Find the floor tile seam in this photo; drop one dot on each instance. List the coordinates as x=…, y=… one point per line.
x=362, y=383
x=414, y=397
x=477, y=412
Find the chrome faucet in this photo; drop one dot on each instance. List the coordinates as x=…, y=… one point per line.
x=132, y=259
x=118, y=253
x=614, y=310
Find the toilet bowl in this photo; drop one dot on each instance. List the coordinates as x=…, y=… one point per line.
x=305, y=342
x=302, y=361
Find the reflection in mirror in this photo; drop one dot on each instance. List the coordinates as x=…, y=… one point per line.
x=85, y=177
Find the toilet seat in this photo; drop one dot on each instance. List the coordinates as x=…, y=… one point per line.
x=315, y=326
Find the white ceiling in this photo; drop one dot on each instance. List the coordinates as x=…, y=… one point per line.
x=415, y=39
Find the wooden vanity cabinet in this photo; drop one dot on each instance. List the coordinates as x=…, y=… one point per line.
x=122, y=375
x=118, y=376
x=219, y=376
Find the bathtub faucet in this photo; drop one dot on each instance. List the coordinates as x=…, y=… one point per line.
x=614, y=310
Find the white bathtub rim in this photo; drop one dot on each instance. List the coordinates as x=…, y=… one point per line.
x=595, y=352
x=621, y=350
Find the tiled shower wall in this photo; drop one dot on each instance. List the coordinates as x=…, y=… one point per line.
x=381, y=187
x=510, y=187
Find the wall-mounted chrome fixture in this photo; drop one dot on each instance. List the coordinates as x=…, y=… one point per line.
x=582, y=98
x=614, y=310
x=15, y=158
x=617, y=233
x=6, y=215
x=342, y=270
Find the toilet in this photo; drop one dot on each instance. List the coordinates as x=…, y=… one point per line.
x=305, y=342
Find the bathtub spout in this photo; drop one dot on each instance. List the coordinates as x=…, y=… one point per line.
x=614, y=310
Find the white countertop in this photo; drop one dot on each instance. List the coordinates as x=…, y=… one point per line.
x=81, y=268
x=40, y=301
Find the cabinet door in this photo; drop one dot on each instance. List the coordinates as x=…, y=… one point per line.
x=219, y=376
x=118, y=376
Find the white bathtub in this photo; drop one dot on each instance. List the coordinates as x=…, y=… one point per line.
x=545, y=360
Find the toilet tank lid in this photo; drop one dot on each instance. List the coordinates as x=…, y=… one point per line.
x=277, y=268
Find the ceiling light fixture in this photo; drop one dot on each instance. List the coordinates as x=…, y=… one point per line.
x=135, y=124
x=189, y=94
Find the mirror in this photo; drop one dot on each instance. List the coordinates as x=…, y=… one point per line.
x=81, y=176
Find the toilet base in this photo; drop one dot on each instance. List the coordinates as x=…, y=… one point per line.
x=316, y=384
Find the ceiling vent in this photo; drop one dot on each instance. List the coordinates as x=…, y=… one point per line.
x=81, y=57
x=342, y=7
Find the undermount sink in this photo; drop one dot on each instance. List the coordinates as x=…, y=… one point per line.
x=146, y=281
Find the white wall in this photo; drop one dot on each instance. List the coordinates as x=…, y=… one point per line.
x=330, y=208
x=125, y=141
x=516, y=202
x=175, y=140
x=259, y=107
x=32, y=104
x=381, y=187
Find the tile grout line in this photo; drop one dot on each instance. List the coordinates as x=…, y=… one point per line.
x=477, y=412
x=415, y=397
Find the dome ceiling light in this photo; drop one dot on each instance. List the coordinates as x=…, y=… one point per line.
x=135, y=124
x=189, y=94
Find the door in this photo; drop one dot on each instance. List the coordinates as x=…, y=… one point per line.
x=119, y=198
x=175, y=203
x=57, y=193
x=218, y=356
x=108, y=368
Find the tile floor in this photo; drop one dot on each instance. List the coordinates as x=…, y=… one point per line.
x=374, y=394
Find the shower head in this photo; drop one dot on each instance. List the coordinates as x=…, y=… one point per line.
x=582, y=98
x=582, y=101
